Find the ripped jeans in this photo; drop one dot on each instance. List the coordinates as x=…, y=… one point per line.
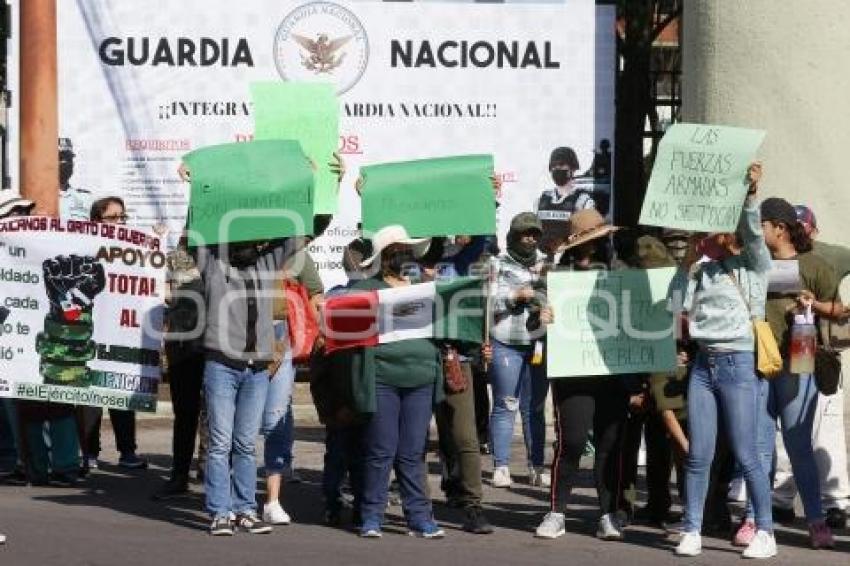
x=517, y=385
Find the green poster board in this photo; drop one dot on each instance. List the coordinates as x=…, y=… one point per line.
x=249, y=191
x=609, y=323
x=308, y=113
x=698, y=181
x=431, y=197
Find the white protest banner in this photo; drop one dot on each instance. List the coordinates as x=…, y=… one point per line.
x=698, y=180
x=143, y=83
x=609, y=323
x=82, y=313
x=784, y=277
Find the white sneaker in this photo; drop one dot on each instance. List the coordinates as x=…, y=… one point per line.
x=762, y=546
x=609, y=528
x=690, y=545
x=553, y=526
x=274, y=514
x=539, y=477
x=502, y=476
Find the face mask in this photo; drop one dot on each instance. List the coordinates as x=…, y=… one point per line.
x=561, y=176
x=242, y=256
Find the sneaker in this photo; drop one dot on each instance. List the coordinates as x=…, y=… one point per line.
x=251, y=523
x=763, y=546
x=783, y=515
x=429, y=529
x=609, y=528
x=2, y=539
x=290, y=475
x=502, y=477
x=552, y=526
x=745, y=534
x=836, y=519
x=90, y=462
x=820, y=536
x=370, y=529
x=476, y=523
x=131, y=461
x=59, y=479
x=539, y=477
x=690, y=545
x=172, y=489
x=274, y=514
x=222, y=526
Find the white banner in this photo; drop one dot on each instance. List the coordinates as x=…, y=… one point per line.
x=80, y=313
x=142, y=83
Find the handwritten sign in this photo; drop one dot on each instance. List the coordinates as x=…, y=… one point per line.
x=698, y=182
x=610, y=323
x=431, y=197
x=247, y=191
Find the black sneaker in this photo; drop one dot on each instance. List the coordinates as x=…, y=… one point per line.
x=476, y=523
x=172, y=489
x=131, y=461
x=63, y=479
x=836, y=519
x=784, y=515
x=251, y=523
x=222, y=527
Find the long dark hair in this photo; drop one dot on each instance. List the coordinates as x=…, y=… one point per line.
x=98, y=208
x=802, y=242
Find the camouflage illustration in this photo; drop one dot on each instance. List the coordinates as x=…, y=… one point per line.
x=65, y=345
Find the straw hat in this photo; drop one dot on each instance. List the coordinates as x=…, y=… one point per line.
x=395, y=234
x=587, y=225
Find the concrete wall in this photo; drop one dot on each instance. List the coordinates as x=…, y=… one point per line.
x=782, y=66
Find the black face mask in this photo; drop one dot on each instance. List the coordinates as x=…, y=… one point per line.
x=242, y=256
x=561, y=176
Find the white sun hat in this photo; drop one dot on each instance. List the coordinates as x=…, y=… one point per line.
x=395, y=234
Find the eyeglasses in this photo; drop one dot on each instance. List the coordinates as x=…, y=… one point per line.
x=115, y=218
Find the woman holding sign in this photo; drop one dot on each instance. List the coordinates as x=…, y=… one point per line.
x=723, y=293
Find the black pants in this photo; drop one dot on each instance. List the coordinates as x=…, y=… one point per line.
x=123, y=425
x=343, y=456
x=659, y=462
x=602, y=405
x=482, y=403
x=186, y=374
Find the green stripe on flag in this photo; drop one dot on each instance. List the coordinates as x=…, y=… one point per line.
x=459, y=310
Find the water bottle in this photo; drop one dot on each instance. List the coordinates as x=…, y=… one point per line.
x=803, y=344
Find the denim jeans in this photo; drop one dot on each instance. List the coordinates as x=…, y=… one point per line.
x=724, y=384
x=277, y=415
x=234, y=400
x=766, y=439
x=793, y=399
x=517, y=385
x=396, y=435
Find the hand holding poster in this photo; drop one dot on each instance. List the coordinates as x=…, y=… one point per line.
x=308, y=113
x=698, y=181
x=247, y=191
x=431, y=197
x=84, y=313
x=610, y=323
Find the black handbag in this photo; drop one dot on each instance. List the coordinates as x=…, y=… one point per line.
x=827, y=365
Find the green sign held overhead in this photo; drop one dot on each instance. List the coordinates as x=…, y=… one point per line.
x=431, y=197
x=256, y=190
x=308, y=113
x=608, y=323
x=698, y=182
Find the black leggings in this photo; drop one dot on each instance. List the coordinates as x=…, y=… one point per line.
x=602, y=405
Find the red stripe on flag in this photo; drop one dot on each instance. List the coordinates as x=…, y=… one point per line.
x=350, y=321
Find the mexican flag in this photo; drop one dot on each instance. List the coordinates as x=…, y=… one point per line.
x=451, y=310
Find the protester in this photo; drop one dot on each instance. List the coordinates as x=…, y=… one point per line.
x=829, y=439
x=721, y=294
x=517, y=374
x=277, y=415
x=109, y=210
x=556, y=205
x=596, y=403
x=185, y=354
x=793, y=397
x=397, y=384
x=455, y=415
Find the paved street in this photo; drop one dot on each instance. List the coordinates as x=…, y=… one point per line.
x=111, y=521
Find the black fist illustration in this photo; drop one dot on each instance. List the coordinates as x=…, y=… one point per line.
x=72, y=282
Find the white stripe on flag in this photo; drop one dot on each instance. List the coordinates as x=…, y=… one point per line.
x=405, y=313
